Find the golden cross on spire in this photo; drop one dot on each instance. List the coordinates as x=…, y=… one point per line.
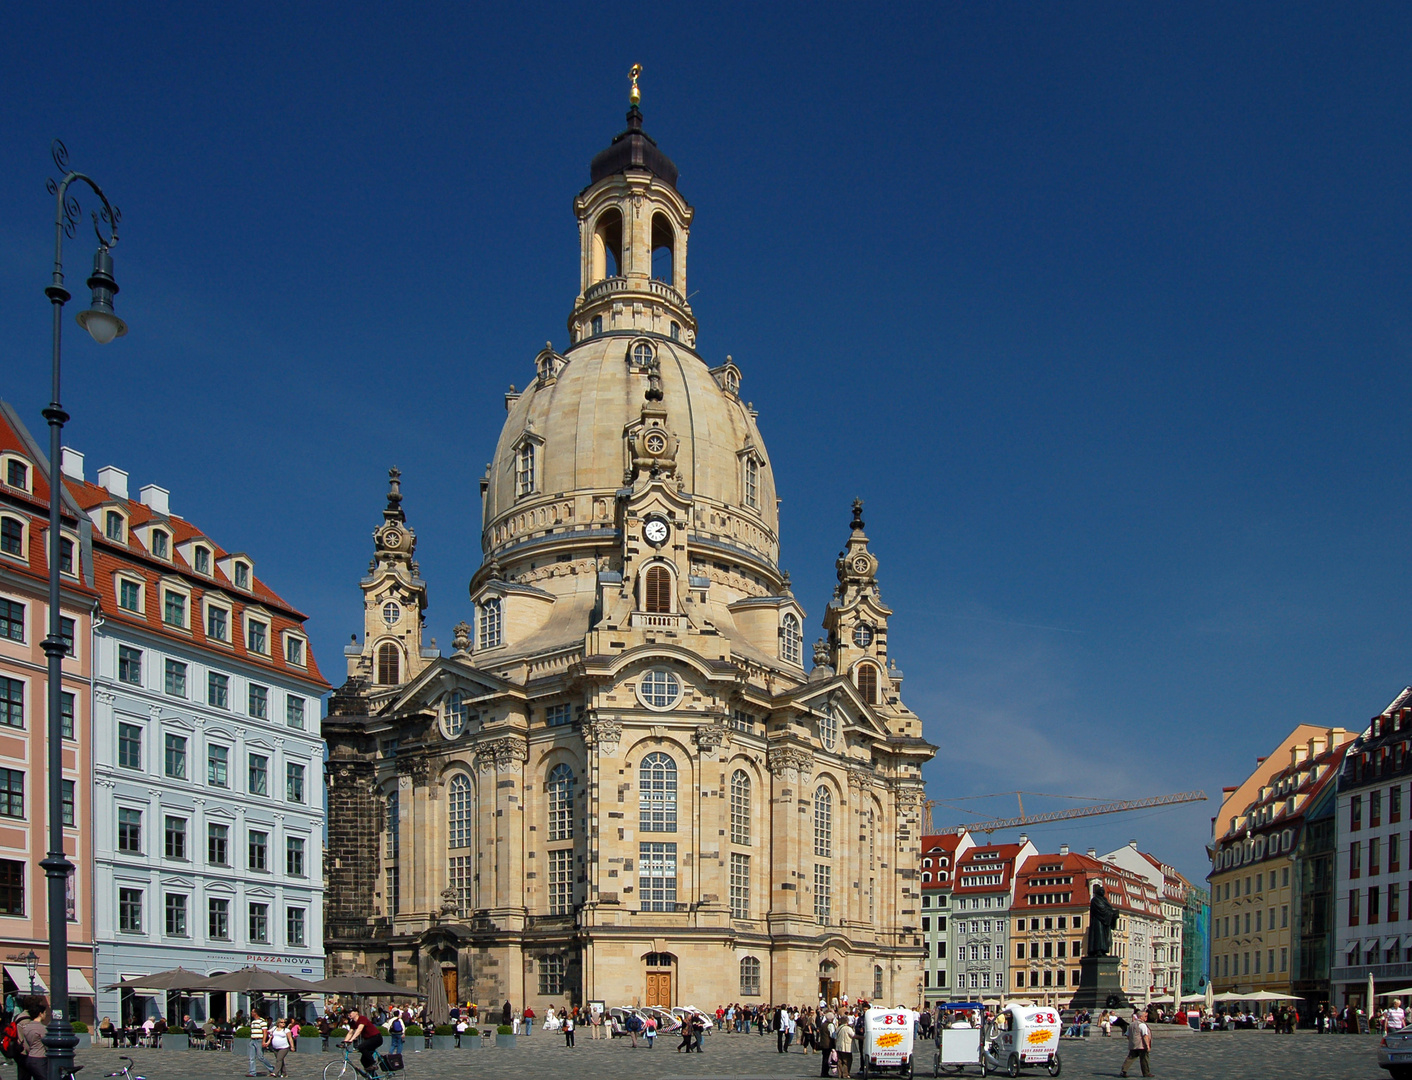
x=634, y=95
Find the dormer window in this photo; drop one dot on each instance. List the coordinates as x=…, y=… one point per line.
x=12, y=536
x=114, y=527
x=294, y=651
x=66, y=555
x=202, y=560
x=257, y=636
x=524, y=470
x=752, y=483
x=217, y=623
x=791, y=639
x=130, y=595
x=242, y=575
x=490, y=624
x=161, y=544
x=174, y=608
x=642, y=354
x=17, y=474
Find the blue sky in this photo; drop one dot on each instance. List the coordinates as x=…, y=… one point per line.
x=1105, y=309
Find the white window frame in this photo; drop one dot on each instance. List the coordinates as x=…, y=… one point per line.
x=23, y=519
x=166, y=585
x=226, y=606
x=293, y=637
x=8, y=456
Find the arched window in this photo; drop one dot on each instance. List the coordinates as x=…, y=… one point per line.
x=752, y=482
x=66, y=555
x=642, y=354
x=877, y=983
x=394, y=824
x=791, y=639
x=740, y=807
x=455, y=714
x=12, y=536
x=458, y=811
x=663, y=245
x=828, y=727
x=657, y=591
x=524, y=469
x=490, y=623
x=657, y=793
x=608, y=246
x=113, y=525
x=749, y=976
x=561, y=802
x=389, y=665
x=926, y=877
x=868, y=683
x=823, y=822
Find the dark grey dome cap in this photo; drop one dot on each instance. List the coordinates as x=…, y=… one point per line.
x=632, y=149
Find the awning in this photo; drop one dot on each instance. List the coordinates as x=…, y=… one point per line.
x=79, y=986
x=20, y=975
x=1393, y=942
x=1370, y=944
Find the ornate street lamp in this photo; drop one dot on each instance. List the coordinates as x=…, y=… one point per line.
x=103, y=325
x=31, y=963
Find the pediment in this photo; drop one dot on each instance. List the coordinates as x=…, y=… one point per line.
x=840, y=692
x=445, y=675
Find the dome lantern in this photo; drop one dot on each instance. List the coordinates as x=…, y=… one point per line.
x=633, y=226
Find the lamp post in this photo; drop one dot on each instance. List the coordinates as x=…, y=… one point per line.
x=31, y=963
x=103, y=325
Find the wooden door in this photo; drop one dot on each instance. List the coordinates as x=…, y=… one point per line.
x=448, y=980
x=659, y=989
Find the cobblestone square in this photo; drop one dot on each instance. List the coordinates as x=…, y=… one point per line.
x=1304, y=1056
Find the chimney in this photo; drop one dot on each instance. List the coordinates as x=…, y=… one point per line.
x=1024, y=839
x=1063, y=849
x=1317, y=745
x=1092, y=853
x=156, y=498
x=71, y=463
x=1297, y=754
x=1132, y=844
x=114, y=480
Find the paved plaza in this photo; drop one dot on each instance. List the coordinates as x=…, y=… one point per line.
x=1304, y=1056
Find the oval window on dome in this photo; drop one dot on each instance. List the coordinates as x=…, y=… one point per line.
x=643, y=355
x=659, y=689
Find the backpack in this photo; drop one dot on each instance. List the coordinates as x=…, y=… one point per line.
x=397, y=1027
x=10, y=1044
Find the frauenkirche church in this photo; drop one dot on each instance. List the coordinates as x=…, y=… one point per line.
x=630, y=782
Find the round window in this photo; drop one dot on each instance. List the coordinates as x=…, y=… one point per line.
x=659, y=689
x=391, y=612
x=642, y=354
x=656, y=443
x=862, y=636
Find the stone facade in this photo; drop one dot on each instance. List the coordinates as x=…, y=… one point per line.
x=627, y=783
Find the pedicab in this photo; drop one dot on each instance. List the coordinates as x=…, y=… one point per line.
x=958, y=1035
x=1022, y=1036
x=887, y=1042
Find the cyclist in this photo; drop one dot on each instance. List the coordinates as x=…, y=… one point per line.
x=365, y=1034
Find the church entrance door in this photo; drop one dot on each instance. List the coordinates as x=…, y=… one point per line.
x=659, y=989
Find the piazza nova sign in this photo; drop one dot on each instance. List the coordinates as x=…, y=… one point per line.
x=1254, y=849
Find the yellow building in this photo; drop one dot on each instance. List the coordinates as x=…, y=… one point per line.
x=629, y=782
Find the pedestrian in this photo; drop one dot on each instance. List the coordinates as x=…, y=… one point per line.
x=777, y=1025
x=823, y=1039
x=1139, y=1043
x=650, y=1030
x=569, y=1030
x=33, y=1062
x=325, y=1030
x=1396, y=1017
x=259, y=1040
x=398, y=1030
x=844, y=1039
x=280, y=1044
x=528, y=1017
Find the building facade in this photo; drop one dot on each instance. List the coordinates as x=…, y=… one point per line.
x=208, y=759
x=630, y=781
x=1374, y=925
x=1196, y=939
x=1168, y=934
x=1052, y=895
x=939, y=855
x=980, y=915
x=1258, y=859
x=24, y=689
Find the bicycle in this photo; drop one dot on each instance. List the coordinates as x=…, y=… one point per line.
x=125, y=1072
x=348, y=1069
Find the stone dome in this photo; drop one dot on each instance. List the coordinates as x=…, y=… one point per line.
x=571, y=429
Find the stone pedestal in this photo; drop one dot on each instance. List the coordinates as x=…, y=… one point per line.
x=1100, y=986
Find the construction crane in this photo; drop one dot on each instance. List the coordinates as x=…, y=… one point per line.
x=996, y=824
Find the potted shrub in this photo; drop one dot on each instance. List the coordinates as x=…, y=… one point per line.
x=240, y=1041
x=310, y=1032
x=504, y=1035
x=414, y=1031
x=470, y=1040
x=443, y=1037
x=84, y=1039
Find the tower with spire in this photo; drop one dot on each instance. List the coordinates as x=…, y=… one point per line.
x=394, y=604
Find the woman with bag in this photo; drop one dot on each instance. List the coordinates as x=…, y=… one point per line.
x=280, y=1044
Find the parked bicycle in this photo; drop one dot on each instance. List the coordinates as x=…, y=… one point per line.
x=125, y=1072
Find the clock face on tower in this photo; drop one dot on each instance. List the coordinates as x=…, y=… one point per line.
x=655, y=531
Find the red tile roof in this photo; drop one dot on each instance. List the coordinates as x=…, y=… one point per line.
x=1066, y=881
